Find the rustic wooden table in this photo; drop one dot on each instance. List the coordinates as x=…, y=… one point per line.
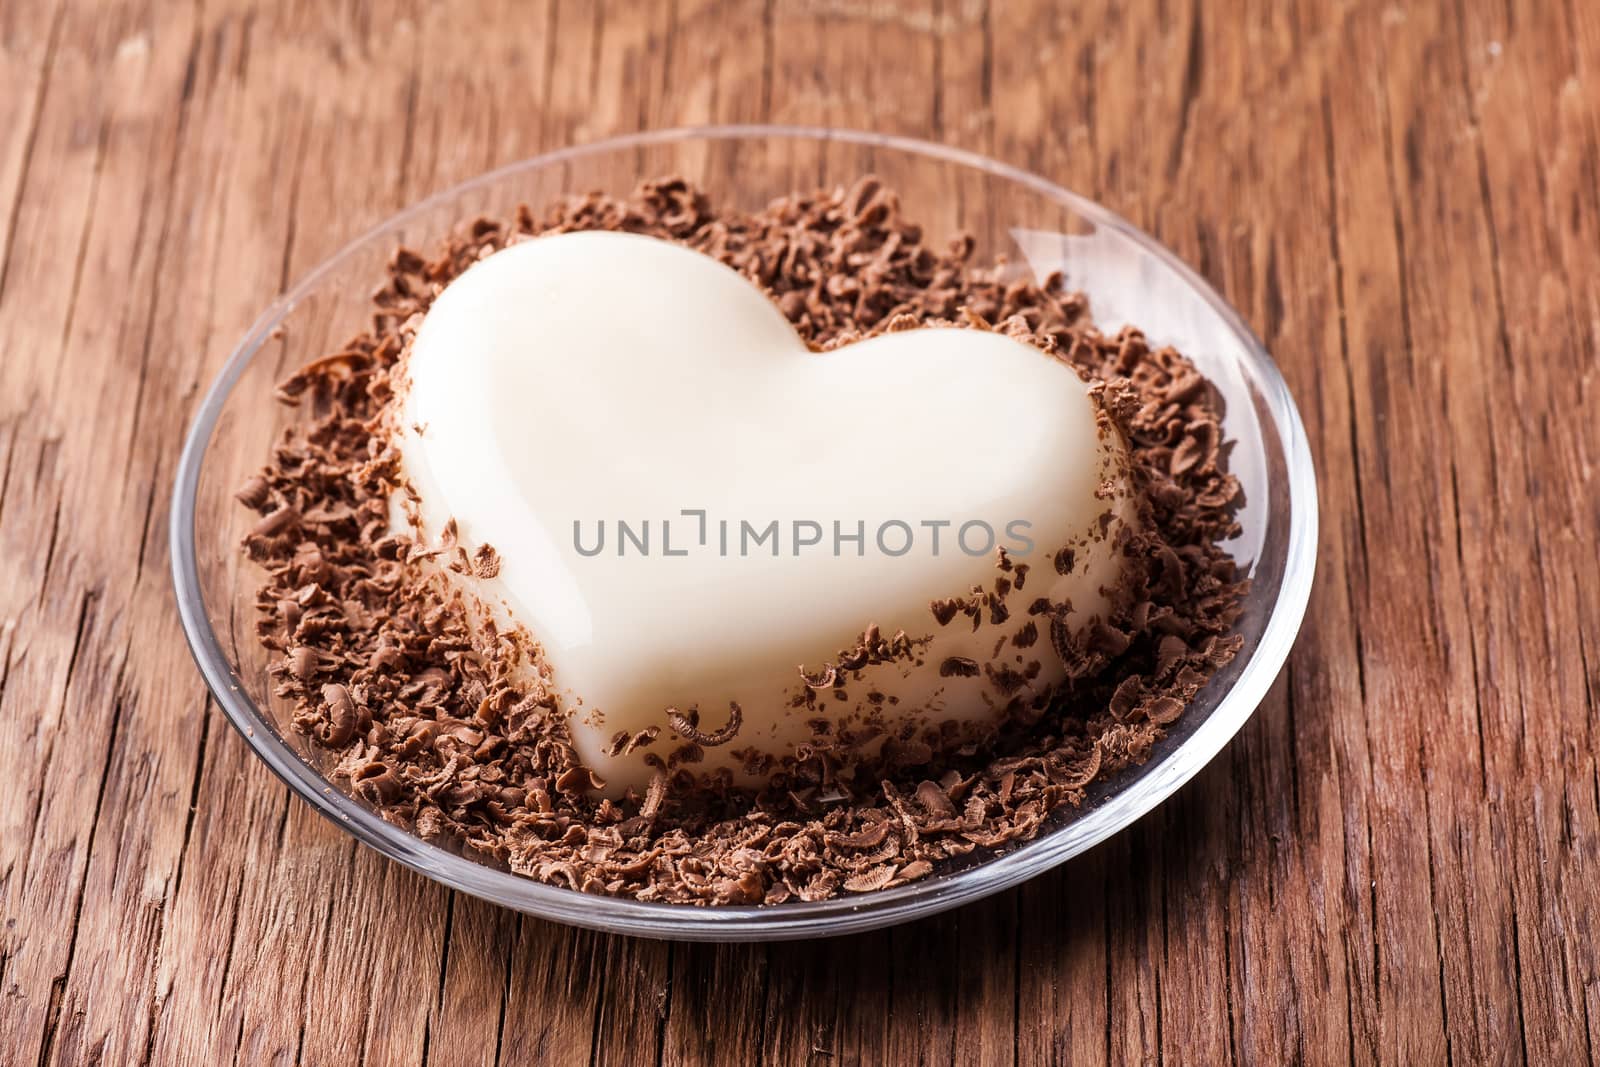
x=1397, y=858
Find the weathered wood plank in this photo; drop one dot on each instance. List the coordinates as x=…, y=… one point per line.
x=1518, y=81
x=1233, y=984
x=1398, y=1008
x=79, y=515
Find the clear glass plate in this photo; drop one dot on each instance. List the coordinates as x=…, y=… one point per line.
x=1039, y=226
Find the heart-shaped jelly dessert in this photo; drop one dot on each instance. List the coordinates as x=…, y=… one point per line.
x=729, y=546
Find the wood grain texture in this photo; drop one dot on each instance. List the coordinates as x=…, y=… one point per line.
x=1397, y=860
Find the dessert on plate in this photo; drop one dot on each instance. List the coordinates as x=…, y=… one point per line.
x=659, y=549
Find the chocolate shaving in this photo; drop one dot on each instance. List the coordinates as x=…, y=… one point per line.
x=823, y=679
x=486, y=562
x=653, y=798
x=959, y=667
x=945, y=610
x=687, y=726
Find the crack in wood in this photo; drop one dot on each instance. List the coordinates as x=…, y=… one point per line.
x=664, y=1008
x=194, y=794
x=505, y=991
x=50, y=742
x=144, y=525
x=50, y=552
x=59, y=986
x=1351, y=983
x=5, y=472
x=444, y=967
x=1193, y=63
